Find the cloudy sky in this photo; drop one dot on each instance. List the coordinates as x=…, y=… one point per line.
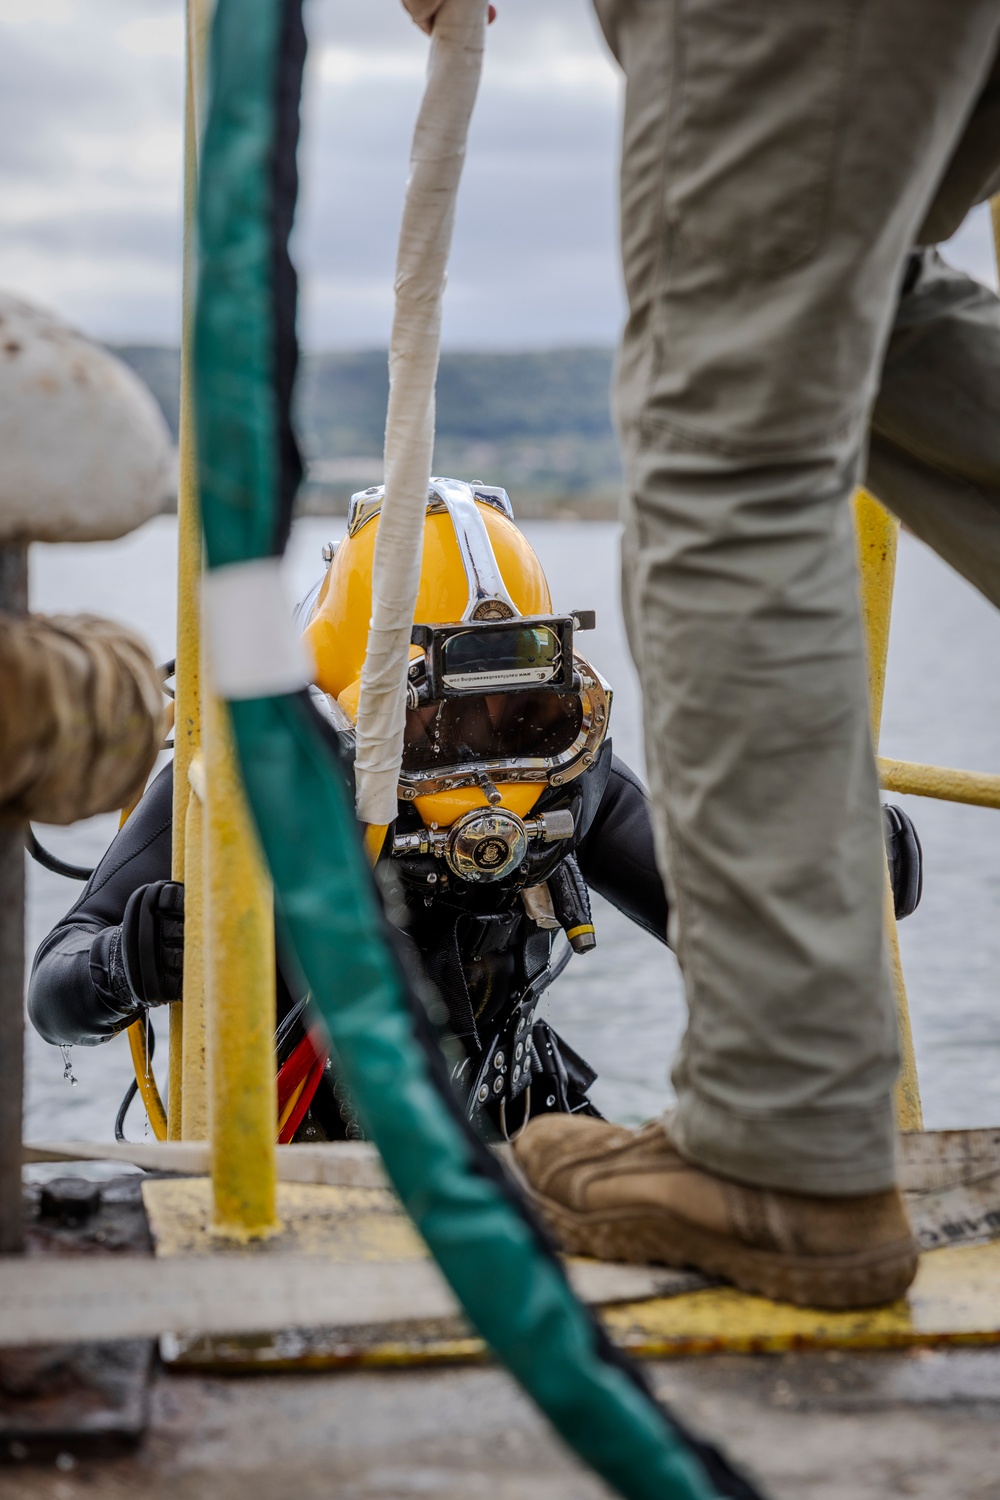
x=90, y=156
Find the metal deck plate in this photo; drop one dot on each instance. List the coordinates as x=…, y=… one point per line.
x=954, y=1300
x=341, y=1224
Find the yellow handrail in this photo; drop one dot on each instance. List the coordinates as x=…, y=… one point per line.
x=911, y=778
x=877, y=534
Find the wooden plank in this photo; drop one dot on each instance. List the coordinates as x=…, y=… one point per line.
x=956, y=1299
x=338, y=1163
x=49, y=1300
x=929, y=1159
x=934, y=1159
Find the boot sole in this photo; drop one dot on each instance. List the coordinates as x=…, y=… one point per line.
x=868, y=1278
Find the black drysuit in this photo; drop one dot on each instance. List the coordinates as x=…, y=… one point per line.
x=477, y=943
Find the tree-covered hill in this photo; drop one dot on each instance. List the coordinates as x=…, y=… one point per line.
x=537, y=423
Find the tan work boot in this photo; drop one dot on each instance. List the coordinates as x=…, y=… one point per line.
x=620, y=1195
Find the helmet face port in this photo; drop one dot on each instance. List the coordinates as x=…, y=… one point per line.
x=492, y=727
x=486, y=845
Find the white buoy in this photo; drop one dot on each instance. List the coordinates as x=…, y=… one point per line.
x=85, y=454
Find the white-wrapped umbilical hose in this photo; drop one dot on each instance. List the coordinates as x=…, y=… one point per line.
x=425, y=240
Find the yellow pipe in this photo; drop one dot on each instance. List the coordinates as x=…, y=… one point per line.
x=238, y=953
x=187, y=731
x=909, y=1112
x=239, y=986
x=977, y=788
x=995, y=220
x=877, y=534
x=194, y=1092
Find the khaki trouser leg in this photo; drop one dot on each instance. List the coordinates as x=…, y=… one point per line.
x=935, y=432
x=778, y=162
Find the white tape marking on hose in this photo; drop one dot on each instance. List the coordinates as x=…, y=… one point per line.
x=254, y=648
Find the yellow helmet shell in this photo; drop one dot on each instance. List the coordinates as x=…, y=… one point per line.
x=338, y=630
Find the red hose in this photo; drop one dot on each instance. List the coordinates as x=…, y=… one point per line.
x=304, y=1066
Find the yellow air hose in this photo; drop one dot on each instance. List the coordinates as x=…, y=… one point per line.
x=374, y=837
x=137, y=1041
x=146, y=1083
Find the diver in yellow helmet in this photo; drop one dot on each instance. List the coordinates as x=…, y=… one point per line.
x=512, y=807
x=510, y=800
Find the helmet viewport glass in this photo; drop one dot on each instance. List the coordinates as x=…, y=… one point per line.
x=491, y=727
x=500, y=658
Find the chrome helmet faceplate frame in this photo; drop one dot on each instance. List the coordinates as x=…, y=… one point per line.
x=488, y=599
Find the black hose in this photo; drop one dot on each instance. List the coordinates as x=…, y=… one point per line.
x=123, y=1110
x=50, y=861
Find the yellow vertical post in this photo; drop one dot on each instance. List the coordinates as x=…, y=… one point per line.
x=239, y=982
x=194, y=1106
x=995, y=218
x=877, y=535
x=227, y=1017
x=187, y=725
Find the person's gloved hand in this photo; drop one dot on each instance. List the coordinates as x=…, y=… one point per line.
x=424, y=11
x=152, y=945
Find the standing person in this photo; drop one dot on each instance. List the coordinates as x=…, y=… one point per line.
x=779, y=162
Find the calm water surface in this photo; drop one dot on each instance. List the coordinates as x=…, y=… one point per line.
x=622, y=1006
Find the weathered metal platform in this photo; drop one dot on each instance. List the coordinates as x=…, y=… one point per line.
x=953, y=1181
x=811, y=1426
x=801, y=1406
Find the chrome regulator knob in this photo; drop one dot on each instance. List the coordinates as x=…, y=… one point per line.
x=486, y=844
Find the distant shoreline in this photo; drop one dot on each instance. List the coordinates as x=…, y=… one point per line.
x=537, y=422
x=599, y=505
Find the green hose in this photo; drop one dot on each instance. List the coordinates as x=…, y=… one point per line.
x=367, y=988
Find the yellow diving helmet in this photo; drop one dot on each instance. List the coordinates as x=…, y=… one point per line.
x=500, y=705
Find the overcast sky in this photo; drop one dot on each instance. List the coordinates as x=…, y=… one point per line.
x=90, y=157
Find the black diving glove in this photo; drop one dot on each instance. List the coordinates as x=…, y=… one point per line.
x=152, y=945
x=906, y=860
